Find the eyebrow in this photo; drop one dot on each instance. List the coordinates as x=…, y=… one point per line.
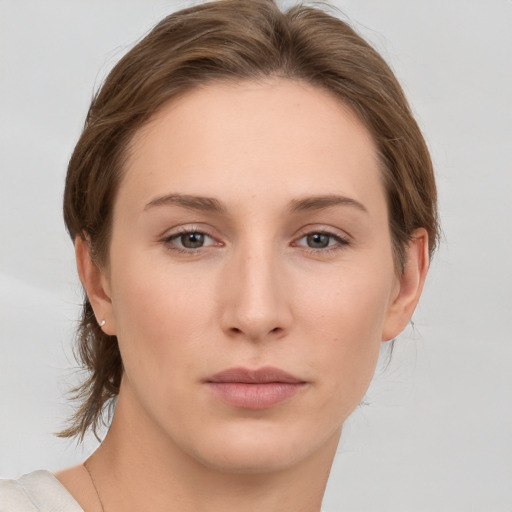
x=321, y=202
x=207, y=204
x=210, y=204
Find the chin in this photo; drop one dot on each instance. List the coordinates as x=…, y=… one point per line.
x=260, y=449
x=248, y=460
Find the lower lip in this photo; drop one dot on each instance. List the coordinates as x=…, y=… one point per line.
x=254, y=396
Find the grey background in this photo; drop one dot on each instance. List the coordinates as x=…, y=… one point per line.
x=437, y=435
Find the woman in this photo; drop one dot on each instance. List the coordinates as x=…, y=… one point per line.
x=253, y=210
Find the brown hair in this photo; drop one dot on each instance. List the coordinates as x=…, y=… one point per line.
x=232, y=40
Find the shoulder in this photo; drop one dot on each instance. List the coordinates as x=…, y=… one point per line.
x=38, y=491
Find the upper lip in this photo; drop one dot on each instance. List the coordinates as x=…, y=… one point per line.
x=263, y=375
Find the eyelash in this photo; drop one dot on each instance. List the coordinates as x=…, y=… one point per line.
x=340, y=241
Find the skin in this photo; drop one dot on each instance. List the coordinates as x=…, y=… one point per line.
x=282, y=279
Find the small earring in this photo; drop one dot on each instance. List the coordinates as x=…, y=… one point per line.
x=102, y=323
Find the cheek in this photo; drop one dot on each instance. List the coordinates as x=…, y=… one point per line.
x=351, y=303
x=159, y=314
x=346, y=320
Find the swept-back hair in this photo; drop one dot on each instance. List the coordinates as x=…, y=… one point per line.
x=233, y=40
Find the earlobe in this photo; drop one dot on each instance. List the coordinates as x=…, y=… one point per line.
x=411, y=284
x=96, y=285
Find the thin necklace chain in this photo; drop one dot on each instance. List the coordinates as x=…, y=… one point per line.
x=94, y=485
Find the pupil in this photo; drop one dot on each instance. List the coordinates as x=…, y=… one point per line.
x=192, y=240
x=318, y=240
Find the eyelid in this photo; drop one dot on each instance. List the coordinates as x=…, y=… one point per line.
x=322, y=228
x=192, y=227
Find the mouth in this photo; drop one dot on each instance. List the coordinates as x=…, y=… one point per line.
x=254, y=389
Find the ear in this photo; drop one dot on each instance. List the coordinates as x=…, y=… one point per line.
x=96, y=285
x=409, y=287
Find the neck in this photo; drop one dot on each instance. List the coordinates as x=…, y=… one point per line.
x=130, y=467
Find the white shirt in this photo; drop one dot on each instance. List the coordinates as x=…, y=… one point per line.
x=38, y=491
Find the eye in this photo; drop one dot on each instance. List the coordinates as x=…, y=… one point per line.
x=319, y=240
x=189, y=240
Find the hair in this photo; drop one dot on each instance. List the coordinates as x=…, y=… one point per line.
x=232, y=40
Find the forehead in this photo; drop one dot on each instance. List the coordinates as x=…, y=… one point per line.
x=277, y=136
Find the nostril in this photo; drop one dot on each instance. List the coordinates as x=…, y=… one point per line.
x=237, y=330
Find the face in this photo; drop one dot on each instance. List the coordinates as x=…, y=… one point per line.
x=250, y=272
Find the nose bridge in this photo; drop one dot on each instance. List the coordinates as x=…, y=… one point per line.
x=256, y=305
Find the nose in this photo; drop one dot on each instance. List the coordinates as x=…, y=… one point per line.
x=256, y=304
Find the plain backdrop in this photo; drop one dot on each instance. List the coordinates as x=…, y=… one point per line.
x=435, y=433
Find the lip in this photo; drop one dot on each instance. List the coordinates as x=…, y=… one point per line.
x=258, y=389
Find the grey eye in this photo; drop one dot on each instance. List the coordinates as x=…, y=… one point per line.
x=192, y=240
x=318, y=240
